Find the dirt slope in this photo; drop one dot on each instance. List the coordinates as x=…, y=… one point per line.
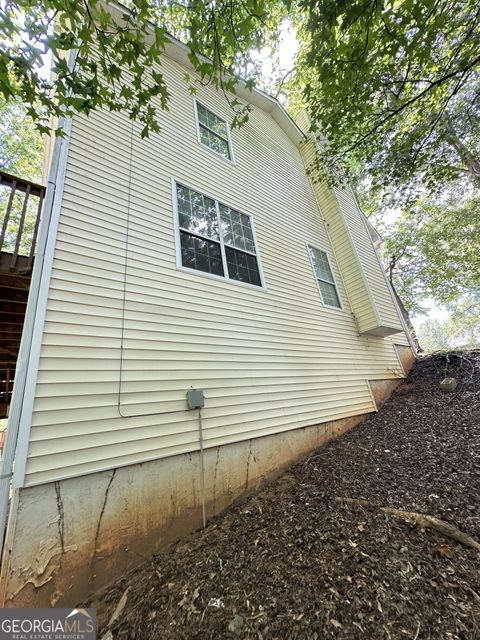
x=292, y=562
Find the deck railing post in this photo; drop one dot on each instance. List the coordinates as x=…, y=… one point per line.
x=20, y=228
x=13, y=189
x=12, y=231
x=35, y=231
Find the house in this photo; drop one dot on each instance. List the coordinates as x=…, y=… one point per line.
x=201, y=314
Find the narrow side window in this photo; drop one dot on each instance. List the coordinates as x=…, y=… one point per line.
x=325, y=280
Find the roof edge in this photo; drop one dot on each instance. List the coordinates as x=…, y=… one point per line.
x=178, y=51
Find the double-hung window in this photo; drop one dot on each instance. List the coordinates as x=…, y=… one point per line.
x=213, y=132
x=325, y=280
x=215, y=238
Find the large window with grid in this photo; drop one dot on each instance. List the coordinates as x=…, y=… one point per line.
x=213, y=132
x=325, y=280
x=215, y=238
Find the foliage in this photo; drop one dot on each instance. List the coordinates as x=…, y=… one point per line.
x=461, y=328
x=432, y=335
x=395, y=85
x=21, y=154
x=464, y=320
x=433, y=250
x=394, y=88
x=21, y=144
x=118, y=52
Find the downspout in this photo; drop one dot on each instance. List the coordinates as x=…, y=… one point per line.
x=19, y=420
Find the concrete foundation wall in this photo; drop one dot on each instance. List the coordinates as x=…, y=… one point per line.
x=73, y=537
x=406, y=355
x=383, y=389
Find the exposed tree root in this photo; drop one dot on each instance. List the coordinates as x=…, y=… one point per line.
x=425, y=521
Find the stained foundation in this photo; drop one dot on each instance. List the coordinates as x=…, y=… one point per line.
x=73, y=537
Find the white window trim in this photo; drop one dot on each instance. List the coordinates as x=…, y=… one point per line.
x=231, y=160
x=327, y=306
x=213, y=276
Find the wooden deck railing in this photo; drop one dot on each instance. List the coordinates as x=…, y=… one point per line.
x=21, y=204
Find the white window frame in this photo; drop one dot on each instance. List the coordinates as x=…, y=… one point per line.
x=327, y=306
x=231, y=159
x=178, y=247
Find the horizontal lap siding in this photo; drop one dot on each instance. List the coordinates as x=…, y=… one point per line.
x=386, y=309
x=345, y=251
x=268, y=361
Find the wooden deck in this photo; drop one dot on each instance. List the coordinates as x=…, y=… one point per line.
x=21, y=203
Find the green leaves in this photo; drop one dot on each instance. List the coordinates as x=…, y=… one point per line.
x=392, y=88
x=118, y=51
x=464, y=320
x=433, y=335
x=385, y=80
x=21, y=144
x=433, y=249
x=462, y=325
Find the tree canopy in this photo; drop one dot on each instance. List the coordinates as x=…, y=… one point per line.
x=395, y=84
x=462, y=327
x=21, y=146
x=464, y=321
x=433, y=335
x=433, y=249
x=117, y=51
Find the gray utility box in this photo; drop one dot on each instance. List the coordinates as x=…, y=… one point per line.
x=195, y=399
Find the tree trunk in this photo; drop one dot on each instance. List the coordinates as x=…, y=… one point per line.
x=469, y=160
x=406, y=317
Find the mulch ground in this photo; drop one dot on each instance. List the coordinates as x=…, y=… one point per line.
x=294, y=563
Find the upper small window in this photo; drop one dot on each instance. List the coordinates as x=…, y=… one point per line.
x=325, y=280
x=213, y=131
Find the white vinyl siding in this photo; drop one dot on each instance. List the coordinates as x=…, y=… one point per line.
x=368, y=293
x=127, y=333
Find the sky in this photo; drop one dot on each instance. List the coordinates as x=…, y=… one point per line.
x=285, y=55
x=434, y=312
x=44, y=71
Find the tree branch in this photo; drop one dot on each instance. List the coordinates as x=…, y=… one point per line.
x=408, y=103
